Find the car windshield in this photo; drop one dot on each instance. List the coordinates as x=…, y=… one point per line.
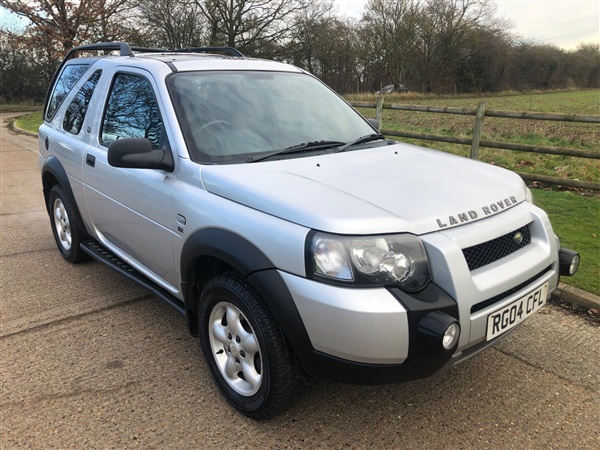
x=232, y=117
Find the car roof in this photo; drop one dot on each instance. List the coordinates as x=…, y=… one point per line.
x=180, y=62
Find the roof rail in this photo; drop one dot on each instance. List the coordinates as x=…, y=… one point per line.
x=227, y=50
x=126, y=50
x=123, y=47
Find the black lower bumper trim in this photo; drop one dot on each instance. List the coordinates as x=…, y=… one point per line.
x=336, y=369
x=422, y=360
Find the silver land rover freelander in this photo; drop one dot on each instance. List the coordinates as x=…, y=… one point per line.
x=291, y=235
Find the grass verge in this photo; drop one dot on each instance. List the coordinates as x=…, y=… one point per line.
x=30, y=122
x=576, y=221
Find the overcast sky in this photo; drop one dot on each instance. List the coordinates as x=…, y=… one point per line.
x=564, y=23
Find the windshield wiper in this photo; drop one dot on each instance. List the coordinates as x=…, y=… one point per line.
x=300, y=148
x=362, y=140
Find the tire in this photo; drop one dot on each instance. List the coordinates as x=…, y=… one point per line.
x=66, y=231
x=250, y=359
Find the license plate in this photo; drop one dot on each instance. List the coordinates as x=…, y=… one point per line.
x=511, y=315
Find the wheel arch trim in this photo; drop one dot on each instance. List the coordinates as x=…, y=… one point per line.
x=53, y=167
x=220, y=245
x=250, y=262
x=225, y=245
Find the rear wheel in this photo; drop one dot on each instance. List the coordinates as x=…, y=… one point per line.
x=250, y=359
x=66, y=232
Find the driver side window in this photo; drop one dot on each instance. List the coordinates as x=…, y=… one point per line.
x=131, y=111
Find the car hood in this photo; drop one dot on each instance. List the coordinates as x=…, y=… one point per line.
x=389, y=189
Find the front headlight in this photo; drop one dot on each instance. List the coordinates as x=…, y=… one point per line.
x=366, y=260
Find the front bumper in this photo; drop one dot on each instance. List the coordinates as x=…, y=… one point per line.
x=367, y=336
x=371, y=336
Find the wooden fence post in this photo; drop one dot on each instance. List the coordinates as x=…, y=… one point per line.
x=477, y=131
x=379, y=113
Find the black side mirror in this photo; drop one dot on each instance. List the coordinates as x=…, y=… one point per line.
x=137, y=153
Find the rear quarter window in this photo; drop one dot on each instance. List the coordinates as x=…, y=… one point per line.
x=75, y=114
x=65, y=82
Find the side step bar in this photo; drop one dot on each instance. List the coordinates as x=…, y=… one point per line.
x=98, y=252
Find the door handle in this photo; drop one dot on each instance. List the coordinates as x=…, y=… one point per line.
x=90, y=160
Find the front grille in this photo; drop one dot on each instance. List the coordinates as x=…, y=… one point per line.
x=488, y=252
x=490, y=301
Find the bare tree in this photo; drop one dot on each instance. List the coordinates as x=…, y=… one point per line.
x=485, y=61
x=173, y=23
x=311, y=26
x=442, y=28
x=585, y=61
x=391, y=26
x=250, y=25
x=68, y=23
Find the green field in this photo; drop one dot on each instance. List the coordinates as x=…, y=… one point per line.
x=573, y=102
x=536, y=132
x=576, y=221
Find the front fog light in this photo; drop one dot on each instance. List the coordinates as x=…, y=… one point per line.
x=451, y=336
x=439, y=330
x=568, y=262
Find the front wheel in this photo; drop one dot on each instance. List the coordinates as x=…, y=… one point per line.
x=251, y=361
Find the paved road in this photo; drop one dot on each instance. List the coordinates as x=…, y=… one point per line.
x=90, y=360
